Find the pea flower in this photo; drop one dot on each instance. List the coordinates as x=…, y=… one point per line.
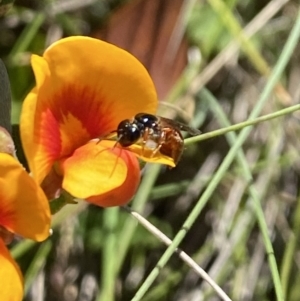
x=84, y=89
x=24, y=210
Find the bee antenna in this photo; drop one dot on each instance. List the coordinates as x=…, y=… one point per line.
x=118, y=140
x=108, y=136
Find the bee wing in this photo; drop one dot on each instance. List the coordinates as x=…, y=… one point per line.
x=166, y=122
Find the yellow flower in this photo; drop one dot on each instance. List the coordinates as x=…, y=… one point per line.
x=84, y=88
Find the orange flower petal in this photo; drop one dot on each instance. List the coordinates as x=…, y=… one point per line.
x=124, y=193
x=10, y=275
x=24, y=209
x=94, y=169
x=29, y=133
x=85, y=87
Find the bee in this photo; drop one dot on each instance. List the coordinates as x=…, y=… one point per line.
x=155, y=133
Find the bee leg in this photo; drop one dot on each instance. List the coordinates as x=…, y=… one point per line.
x=160, y=142
x=145, y=138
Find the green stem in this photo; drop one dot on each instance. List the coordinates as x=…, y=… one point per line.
x=27, y=35
x=37, y=264
x=273, y=79
x=241, y=125
x=256, y=197
x=230, y=22
x=137, y=205
x=290, y=250
x=108, y=275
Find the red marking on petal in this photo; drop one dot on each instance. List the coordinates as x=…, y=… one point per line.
x=91, y=109
x=76, y=115
x=49, y=134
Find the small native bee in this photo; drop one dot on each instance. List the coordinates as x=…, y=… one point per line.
x=155, y=133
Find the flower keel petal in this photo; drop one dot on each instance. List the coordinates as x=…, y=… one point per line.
x=124, y=193
x=147, y=155
x=93, y=169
